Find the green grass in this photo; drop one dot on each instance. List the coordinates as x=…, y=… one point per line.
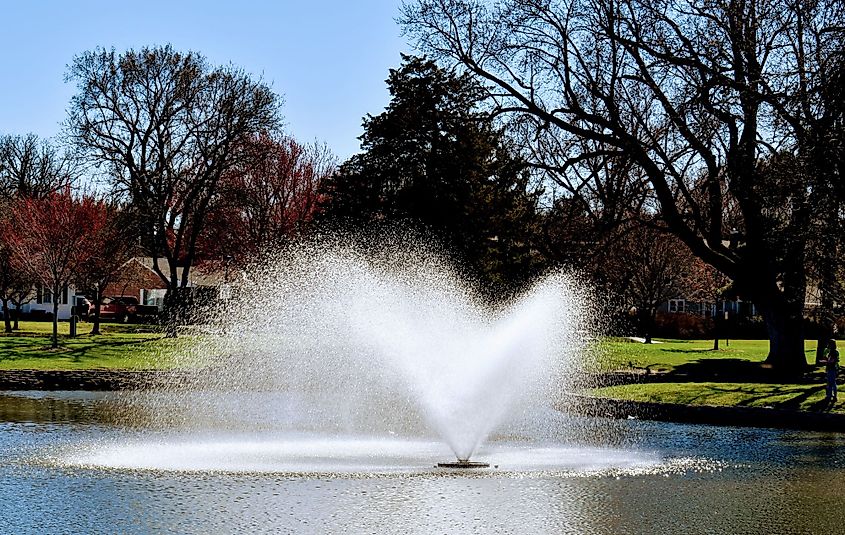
x=118, y=347
x=696, y=370
x=781, y=396
x=617, y=354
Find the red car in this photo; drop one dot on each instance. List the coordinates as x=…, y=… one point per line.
x=124, y=310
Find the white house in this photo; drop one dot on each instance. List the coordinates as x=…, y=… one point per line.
x=42, y=304
x=137, y=279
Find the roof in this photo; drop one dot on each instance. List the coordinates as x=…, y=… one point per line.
x=196, y=277
x=147, y=262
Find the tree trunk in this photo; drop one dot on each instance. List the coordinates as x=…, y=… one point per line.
x=6, y=317
x=56, y=296
x=716, y=330
x=785, y=326
x=646, y=323
x=171, y=313
x=98, y=300
x=17, y=316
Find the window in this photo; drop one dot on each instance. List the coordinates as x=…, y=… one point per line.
x=677, y=305
x=153, y=297
x=48, y=297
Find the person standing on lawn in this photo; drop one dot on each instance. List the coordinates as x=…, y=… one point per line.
x=831, y=363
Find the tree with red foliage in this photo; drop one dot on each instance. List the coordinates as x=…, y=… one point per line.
x=15, y=283
x=53, y=237
x=703, y=282
x=644, y=267
x=112, y=246
x=270, y=197
x=29, y=167
x=12, y=276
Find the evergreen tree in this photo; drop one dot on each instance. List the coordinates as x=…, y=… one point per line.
x=434, y=158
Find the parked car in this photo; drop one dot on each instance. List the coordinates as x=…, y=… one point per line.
x=125, y=310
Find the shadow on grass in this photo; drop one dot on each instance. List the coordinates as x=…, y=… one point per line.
x=78, y=354
x=785, y=397
x=724, y=370
x=77, y=349
x=822, y=405
x=758, y=386
x=696, y=351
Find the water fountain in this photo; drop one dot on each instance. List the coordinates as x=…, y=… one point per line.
x=392, y=344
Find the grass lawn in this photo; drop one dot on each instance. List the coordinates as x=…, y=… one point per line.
x=119, y=347
x=779, y=396
x=729, y=376
x=669, y=355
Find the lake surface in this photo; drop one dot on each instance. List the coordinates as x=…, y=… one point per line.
x=74, y=462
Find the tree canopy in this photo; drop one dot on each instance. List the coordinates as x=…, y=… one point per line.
x=698, y=94
x=165, y=126
x=435, y=158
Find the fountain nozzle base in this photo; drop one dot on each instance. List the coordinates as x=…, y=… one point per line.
x=463, y=463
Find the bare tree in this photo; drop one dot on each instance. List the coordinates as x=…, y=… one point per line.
x=695, y=92
x=33, y=167
x=166, y=126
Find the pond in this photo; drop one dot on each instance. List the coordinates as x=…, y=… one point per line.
x=74, y=462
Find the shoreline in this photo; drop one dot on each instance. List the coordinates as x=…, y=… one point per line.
x=95, y=379
x=574, y=403
x=722, y=415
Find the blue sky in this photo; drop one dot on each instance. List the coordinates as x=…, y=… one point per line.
x=328, y=58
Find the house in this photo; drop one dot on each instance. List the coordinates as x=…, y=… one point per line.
x=42, y=303
x=140, y=280
x=137, y=279
x=709, y=309
x=736, y=307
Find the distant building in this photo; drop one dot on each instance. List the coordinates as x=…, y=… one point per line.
x=137, y=279
x=710, y=309
x=41, y=305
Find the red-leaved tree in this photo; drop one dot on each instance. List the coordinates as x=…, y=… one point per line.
x=14, y=279
x=703, y=282
x=53, y=237
x=268, y=198
x=112, y=245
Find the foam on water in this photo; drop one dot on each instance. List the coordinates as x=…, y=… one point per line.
x=329, y=454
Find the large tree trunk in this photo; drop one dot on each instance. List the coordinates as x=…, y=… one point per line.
x=171, y=312
x=785, y=326
x=17, y=326
x=6, y=316
x=646, y=323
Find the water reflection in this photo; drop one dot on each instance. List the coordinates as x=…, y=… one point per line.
x=759, y=481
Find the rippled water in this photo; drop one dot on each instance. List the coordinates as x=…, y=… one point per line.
x=69, y=463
